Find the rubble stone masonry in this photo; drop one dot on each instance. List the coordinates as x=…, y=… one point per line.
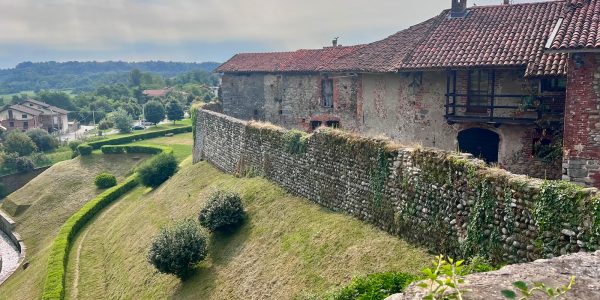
x=448, y=202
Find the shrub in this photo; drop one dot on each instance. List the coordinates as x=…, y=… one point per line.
x=105, y=180
x=101, y=141
x=374, y=286
x=39, y=159
x=149, y=149
x=176, y=250
x=73, y=145
x=122, y=121
x=19, y=142
x=84, y=149
x=157, y=170
x=223, y=211
x=16, y=163
x=42, y=139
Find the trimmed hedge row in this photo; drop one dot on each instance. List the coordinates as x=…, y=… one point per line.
x=138, y=136
x=54, y=286
x=149, y=149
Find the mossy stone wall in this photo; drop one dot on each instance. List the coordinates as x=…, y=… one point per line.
x=448, y=202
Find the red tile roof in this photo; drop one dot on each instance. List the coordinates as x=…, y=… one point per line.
x=156, y=93
x=304, y=60
x=579, y=28
x=489, y=36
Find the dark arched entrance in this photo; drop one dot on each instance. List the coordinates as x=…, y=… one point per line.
x=482, y=143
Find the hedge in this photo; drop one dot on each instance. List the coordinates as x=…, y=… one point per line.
x=84, y=149
x=138, y=136
x=149, y=149
x=54, y=286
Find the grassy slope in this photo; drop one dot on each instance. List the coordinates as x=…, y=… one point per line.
x=181, y=144
x=54, y=196
x=289, y=247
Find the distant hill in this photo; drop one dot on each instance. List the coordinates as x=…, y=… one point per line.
x=29, y=76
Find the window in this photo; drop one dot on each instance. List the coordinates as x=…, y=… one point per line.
x=315, y=124
x=333, y=124
x=553, y=85
x=25, y=125
x=10, y=114
x=24, y=116
x=327, y=92
x=479, y=91
x=11, y=124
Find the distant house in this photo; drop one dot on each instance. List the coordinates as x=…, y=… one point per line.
x=34, y=114
x=157, y=93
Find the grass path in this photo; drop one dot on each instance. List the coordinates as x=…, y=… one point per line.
x=288, y=249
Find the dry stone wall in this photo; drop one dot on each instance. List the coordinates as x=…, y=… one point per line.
x=448, y=202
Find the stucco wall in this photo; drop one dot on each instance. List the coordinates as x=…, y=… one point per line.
x=407, y=107
x=448, y=202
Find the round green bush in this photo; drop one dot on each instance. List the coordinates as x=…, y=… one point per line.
x=223, y=211
x=374, y=286
x=42, y=139
x=177, y=249
x=105, y=180
x=157, y=170
x=84, y=149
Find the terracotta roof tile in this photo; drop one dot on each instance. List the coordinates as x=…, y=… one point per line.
x=579, y=29
x=489, y=36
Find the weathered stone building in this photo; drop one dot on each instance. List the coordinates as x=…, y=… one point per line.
x=489, y=80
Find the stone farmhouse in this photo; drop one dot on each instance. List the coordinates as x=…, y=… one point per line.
x=510, y=83
x=34, y=114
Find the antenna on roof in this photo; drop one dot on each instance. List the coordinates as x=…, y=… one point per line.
x=334, y=42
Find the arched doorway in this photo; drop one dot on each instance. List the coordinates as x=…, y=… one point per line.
x=482, y=143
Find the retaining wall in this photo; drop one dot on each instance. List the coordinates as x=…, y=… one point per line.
x=16, y=181
x=448, y=202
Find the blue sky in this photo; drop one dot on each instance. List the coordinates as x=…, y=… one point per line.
x=196, y=30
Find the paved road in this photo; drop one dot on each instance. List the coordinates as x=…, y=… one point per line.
x=10, y=257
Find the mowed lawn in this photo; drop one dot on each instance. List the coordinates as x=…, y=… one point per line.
x=44, y=204
x=287, y=249
x=181, y=143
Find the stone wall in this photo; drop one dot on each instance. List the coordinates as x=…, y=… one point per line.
x=16, y=181
x=446, y=201
x=581, y=162
x=407, y=107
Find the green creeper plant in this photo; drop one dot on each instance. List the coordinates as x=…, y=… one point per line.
x=538, y=287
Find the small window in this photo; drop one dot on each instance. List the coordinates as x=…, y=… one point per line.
x=25, y=125
x=24, y=116
x=327, y=92
x=553, y=85
x=333, y=124
x=315, y=124
x=11, y=124
x=10, y=114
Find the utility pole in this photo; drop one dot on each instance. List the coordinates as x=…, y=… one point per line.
x=94, y=119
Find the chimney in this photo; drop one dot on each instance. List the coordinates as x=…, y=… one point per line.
x=506, y=2
x=459, y=9
x=334, y=42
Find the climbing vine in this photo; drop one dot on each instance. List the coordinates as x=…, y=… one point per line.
x=480, y=240
x=295, y=141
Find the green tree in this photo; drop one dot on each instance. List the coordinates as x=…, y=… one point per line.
x=154, y=111
x=42, y=139
x=58, y=99
x=174, y=111
x=122, y=121
x=135, y=77
x=18, y=142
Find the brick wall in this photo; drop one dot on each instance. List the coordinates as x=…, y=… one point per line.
x=448, y=202
x=581, y=161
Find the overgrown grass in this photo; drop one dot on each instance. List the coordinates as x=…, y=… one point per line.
x=288, y=247
x=42, y=206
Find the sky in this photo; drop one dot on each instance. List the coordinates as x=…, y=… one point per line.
x=196, y=30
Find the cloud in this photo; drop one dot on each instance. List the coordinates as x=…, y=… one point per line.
x=113, y=26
